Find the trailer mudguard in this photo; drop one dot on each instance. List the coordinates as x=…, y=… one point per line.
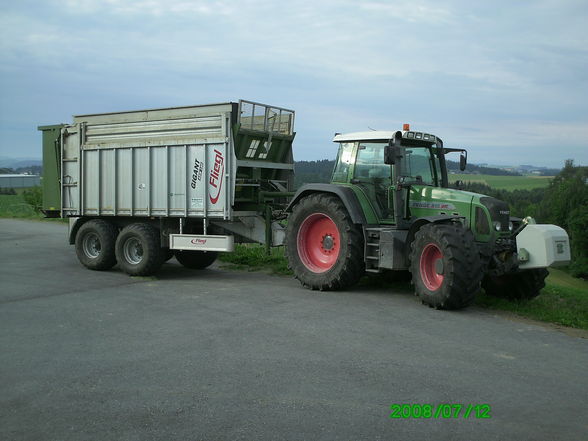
x=346, y=195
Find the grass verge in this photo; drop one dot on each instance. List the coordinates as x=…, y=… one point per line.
x=564, y=301
x=252, y=257
x=15, y=206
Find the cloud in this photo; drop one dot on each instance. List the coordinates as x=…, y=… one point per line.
x=474, y=73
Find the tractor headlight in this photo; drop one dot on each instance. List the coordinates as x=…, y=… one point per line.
x=497, y=226
x=510, y=226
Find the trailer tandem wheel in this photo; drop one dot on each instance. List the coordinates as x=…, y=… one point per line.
x=196, y=259
x=138, y=250
x=95, y=243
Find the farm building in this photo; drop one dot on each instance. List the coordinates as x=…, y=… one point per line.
x=19, y=181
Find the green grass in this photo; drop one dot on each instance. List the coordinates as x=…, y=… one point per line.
x=564, y=301
x=15, y=206
x=253, y=257
x=505, y=182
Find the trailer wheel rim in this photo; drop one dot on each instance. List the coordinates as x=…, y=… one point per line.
x=429, y=266
x=133, y=251
x=318, y=242
x=91, y=245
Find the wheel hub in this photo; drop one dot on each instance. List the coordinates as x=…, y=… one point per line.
x=431, y=267
x=318, y=243
x=133, y=251
x=91, y=245
x=328, y=243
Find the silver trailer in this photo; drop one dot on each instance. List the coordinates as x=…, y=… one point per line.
x=197, y=178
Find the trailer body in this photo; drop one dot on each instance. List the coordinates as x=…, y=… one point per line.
x=209, y=165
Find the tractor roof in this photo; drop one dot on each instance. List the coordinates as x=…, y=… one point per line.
x=383, y=135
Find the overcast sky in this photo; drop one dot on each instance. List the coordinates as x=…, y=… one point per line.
x=506, y=79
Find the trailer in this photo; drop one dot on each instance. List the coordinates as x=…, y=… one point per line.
x=140, y=186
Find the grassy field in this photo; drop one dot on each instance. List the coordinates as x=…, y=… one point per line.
x=564, y=301
x=15, y=206
x=505, y=182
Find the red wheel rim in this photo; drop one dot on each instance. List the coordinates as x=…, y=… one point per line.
x=318, y=243
x=428, y=267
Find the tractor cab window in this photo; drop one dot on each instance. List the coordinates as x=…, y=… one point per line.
x=417, y=166
x=344, y=160
x=370, y=165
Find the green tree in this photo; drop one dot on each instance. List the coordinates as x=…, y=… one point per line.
x=566, y=205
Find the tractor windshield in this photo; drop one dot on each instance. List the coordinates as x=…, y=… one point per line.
x=419, y=165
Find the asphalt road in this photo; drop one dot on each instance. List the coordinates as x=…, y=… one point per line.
x=226, y=355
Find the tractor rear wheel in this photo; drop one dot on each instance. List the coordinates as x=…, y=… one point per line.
x=524, y=285
x=324, y=247
x=445, y=266
x=196, y=259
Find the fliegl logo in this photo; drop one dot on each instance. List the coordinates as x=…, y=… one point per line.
x=215, y=179
x=198, y=241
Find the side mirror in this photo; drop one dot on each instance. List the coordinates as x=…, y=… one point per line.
x=389, y=154
x=463, y=160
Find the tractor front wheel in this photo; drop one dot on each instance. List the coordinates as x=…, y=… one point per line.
x=524, y=285
x=445, y=266
x=324, y=247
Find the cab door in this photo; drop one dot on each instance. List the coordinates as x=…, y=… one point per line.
x=374, y=178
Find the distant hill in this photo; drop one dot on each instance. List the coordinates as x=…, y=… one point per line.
x=14, y=163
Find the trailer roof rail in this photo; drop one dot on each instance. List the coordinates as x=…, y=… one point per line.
x=265, y=118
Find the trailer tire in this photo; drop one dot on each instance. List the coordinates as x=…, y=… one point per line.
x=95, y=243
x=445, y=266
x=138, y=250
x=524, y=285
x=324, y=247
x=196, y=259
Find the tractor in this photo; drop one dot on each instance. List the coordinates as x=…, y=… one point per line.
x=389, y=207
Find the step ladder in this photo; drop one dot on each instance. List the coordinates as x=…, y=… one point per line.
x=372, y=249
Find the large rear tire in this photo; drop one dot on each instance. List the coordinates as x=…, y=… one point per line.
x=138, y=250
x=95, y=243
x=445, y=266
x=524, y=285
x=324, y=247
x=196, y=259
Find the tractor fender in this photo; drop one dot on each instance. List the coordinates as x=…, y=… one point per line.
x=345, y=194
x=419, y=222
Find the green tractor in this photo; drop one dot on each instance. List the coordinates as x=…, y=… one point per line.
x=389, y=207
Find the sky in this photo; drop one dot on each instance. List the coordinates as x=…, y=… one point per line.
x=508, y=80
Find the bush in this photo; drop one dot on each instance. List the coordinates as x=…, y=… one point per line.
x=34, y=197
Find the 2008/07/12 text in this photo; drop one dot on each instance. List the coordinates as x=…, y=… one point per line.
x=443, y=410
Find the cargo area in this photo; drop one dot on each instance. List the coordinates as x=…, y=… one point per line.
x=213, y=161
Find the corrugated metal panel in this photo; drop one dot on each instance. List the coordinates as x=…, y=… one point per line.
x=160, y=132
x=187, y=180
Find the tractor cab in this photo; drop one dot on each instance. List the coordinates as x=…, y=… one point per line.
x=392, y=168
